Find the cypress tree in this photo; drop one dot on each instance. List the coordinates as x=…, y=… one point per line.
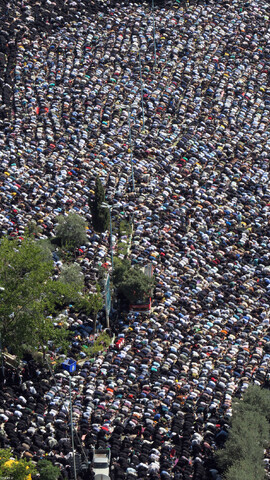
x=100, y=215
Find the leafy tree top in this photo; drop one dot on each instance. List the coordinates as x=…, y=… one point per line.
x=99, y=192
x=131, y=282
x=242, y=456
x=48, y=471
x=28, y=294
x=71, y=230
x=13, y=469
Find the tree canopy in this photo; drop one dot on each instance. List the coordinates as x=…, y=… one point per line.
x=48, y=471
x=242, y=457
x=131, y=282
x=72, y=275
x=28, y=295
x=91, y=303
x=71, y=230
x=13, y=469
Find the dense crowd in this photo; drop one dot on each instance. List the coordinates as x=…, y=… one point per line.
x=71, y=82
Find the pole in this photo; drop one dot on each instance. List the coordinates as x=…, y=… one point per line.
x=71, y=426
x=141, y=87
x=107, y=289
x=154, y=33
x=1, y=347
x=107, y=319
x=131, y=153
x=110, y=210
x=109, y=207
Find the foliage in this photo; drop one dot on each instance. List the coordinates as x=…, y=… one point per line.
x=102, y=274
x=13, y=469
x=91, y=303
x=256, y=399
x=136, y=285
x=33, y=229
x=244, y=469
x=125, y=231
x=29, y=296
x=5, y=455
x=47, y=245
x=100, y=215
x=48, y=471
x=122, y=248
x=242, y=457
x=72, y=275
x=71, y=230
x=125, y=228
x=57, y=336
x=121, y=268
x=131, y=282
x=248, y=431
x=102, y=342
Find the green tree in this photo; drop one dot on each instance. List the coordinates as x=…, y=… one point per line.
x=121, y=269
x=13, y=469
x=59, y=336
x=135, y=286
x=244, y=469
x=71, y=230
x=33, y=229
x=248, y=434
x=100, y=215
x=131, y=282
x=257, y=399
x=28, y=294
x=242, y=456
x=5, y=455
x=48, y=471
x=72, y=275
x=91, y=303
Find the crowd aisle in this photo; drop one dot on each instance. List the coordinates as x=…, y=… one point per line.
x=69, y=79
